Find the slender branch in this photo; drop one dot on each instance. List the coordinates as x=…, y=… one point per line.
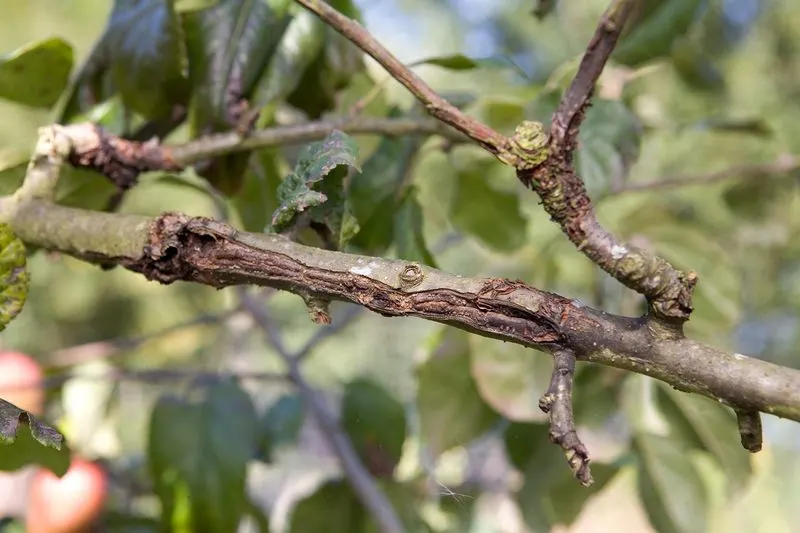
x=365, y=487
x=570, y=112
x=557, y=402
x=438, y=107
x=783, y=165
x=226, y=143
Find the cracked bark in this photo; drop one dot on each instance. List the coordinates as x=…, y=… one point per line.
x=176, y=247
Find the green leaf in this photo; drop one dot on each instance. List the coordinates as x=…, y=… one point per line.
x=316, y=184
x=12, y=174
x=14, y=279
x=198, y=452
x=609, y=143
x=331, y=70
x=694, y=67
x=709, y=426
x=550, y=495
x=333, y=507
x=229, y=46
x=36, y=74
x=376, y=423
x=281, y=423
x=493, y=217
x=408, y=239
x=451, y=412
x=302, y=42
x=653, y=36
x=510, y=378
x=92, y=85
x=258, y=198
x=39, y=444
x=144, y=40
x=670, y=486
x=374, y=193
x=87, y=189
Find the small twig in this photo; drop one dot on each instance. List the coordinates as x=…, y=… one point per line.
x=783, y=165
x=557, y=402
x=365, y=487
x=569, y=114
x=436, y=105
x=750, y=429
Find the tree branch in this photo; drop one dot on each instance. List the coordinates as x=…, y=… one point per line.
x=365, y=487
x=176, y=247
x=438, y=107
x=557, y=402
x=571, y=110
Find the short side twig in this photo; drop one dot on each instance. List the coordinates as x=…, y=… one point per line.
x=557, y=402
x=750, y=429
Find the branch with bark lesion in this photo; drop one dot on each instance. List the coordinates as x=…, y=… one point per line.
x=176, y=247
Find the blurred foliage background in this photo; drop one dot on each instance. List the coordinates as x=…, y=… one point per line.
x=708, y=87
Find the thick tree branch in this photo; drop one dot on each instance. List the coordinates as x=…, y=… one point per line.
x=175, y=247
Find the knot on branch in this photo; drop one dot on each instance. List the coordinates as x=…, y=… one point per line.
x=120, y=160
x=528, y=148
x=162, y=259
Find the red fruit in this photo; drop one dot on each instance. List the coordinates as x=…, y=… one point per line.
x=21, y=382
x=69, y=504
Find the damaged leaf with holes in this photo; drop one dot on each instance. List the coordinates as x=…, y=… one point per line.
x=316, y=187
x=24, y=440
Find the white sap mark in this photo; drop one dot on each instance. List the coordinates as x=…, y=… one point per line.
x=618, y=252
x=577, y=303
x=360, y=260
x=740, y=357
x=373, y=264
x=361, y=271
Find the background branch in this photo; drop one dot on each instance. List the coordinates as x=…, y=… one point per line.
x=365, y=487
x=783, y=165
